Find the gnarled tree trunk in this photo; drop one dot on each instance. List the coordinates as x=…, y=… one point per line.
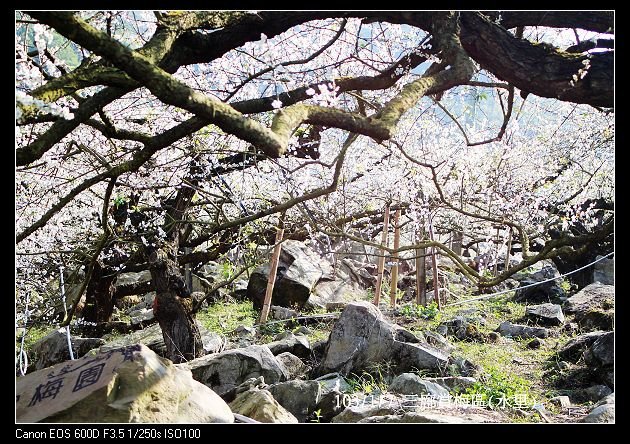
x=99, y=299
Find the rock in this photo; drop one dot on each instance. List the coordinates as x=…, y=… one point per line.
x=412, y=384
x=303, y=330
x=133, y=278
x=561, y=401
x=535, y=343
x=597, y=392
x=602, y=352
x=604, y=271
x=437, y=340
x=464, y=367
x=152, y=337
x=603, y=413
x=335, y=294
x=573, y=350
x=128, y=384
x=545, y=314
x=454, y=383
x=563, y=365
x=435, y=417
x=294, y=365
x=226, y=370
x=244, y=332
x=282, y=313
x=333, y=382
x=570, y=328
x=261, y=406
x=329, y=406
x=53, y=348
x=541, y=293
x=461, y=329
x=593, y=307
x=493, y=337
x=142, y=316
x=299, y=269
x=298, y=397
x=506, y=328
x=361, y=336
x=297, y=345
x=319, y=348
x=610, y=399
x=360, y=408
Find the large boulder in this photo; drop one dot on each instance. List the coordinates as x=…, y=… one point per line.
x=574, y=349
x=603, y=411
x=298, y=397
x=545, y=314
x=412, y=384
x=225, y=371
x=260, y=405
x=340, y=290
x=152, y=337
x=602, y=352
x=297, y=345
x=53, y=348
x=361, y=336
x=604, y=271
x=299, y=269
x=294, y=365
x=593, y=306
x=129, y=384
x=532, y=290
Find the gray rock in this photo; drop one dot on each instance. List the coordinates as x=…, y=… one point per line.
x=333, y=382
x=360, y=408
x=152, y=337
x=461, y=328
x=298, y=271
x=53, y=348
x=329, y=406
x=434, y=417
x=261, y=406
x=535, y=343
x=604, y=271
x=297, y=345
x=412, y=384
x=561, y=401
x=602, y=352
x=294, y=365
x=603, y=413
x=224, y=371
x=282, y=313
x=244, y=332
x=298, y=397
x=593, y=306
x=133, y=278
x=573, y=350
x=506, y=328
x=129, y=384
x=335, y=294
x=437, y=340
x=610, y=399
x=303, y=330
x=141, y=316
x=545, y=314
x=361, y=336
x=597, y=392
x=454, y=383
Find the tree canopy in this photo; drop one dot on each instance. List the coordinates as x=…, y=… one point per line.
x=202, y=130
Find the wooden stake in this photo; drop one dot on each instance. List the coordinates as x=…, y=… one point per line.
x=421, y=273
x=509, y=247
x=436, y=281
x=381, y=259
x=273, y=268
x=394, y=283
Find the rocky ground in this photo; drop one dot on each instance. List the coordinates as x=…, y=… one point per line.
x=539, y=354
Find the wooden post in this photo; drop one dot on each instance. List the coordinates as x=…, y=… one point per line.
x=436, y=281
x=273, y=268
x=394, y=281
x=497, y=241
x=509, y=247
x=381, y=259
x=421, y=274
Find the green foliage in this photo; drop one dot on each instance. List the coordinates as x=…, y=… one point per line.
x=227, y=270
x=498, y=384
x=367, y=383
x=224, y=317
x=119, y=200
x=34, y=334
x=431, y=311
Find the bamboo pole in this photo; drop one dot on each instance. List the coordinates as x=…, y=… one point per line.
x=273, y=268
x=509, y=247
x=421, y=274
x=381, y=259
x=394, y=281
x=436, y=281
